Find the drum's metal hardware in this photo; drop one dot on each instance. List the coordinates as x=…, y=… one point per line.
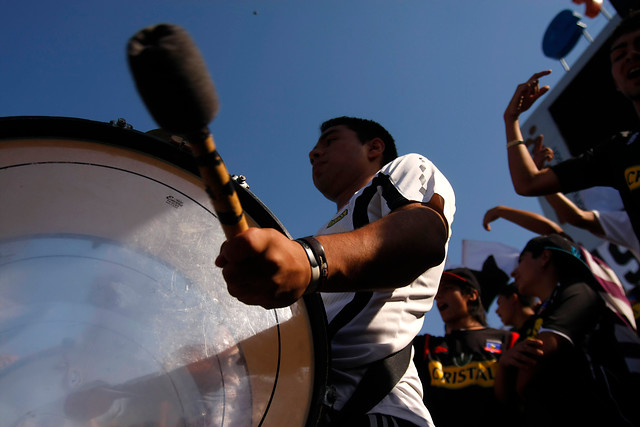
x=330, y=396
x=241, y=180
x=121, y=123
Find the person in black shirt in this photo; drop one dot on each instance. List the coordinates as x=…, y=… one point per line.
x=514, y=309
x=458, y=369
x=573, y=363
x=614, y=164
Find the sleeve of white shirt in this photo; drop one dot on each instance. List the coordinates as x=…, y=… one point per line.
x=618, y=229
x=418, y=179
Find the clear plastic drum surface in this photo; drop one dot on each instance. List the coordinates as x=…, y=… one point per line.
x=112, y=312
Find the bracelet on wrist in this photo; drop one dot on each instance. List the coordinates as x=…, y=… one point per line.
x=317, y=261
x=514, y=143
x=314, y=283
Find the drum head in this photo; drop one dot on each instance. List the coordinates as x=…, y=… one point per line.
x=112, y=312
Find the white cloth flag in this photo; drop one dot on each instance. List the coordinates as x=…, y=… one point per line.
x=476, y=252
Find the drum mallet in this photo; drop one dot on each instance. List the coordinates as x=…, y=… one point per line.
x=173, y=81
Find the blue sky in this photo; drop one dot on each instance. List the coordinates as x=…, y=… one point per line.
x=436, y=74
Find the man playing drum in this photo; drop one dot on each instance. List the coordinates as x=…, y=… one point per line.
x=377, y=264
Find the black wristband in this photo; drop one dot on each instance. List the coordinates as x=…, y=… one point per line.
x=321, y=260
x=314, y=283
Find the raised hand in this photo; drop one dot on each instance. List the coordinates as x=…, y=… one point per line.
x=541, y=154
x=525, y=95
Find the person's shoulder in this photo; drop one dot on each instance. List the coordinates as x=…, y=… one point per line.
x=626, y=136
x=407, y=159
x=579, y=292
x=426, y=343
x=577, y=287
x=619, y=140
x=410, y=163
x=616, y=142
x=497, y=334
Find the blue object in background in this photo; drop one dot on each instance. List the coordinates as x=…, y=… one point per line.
x=562, y=34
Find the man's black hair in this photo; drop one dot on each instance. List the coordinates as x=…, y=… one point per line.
x=366, y=131
x=565, y=258
x=467, y=281
x=525, y=300
x=627, y=25
x=476, y=310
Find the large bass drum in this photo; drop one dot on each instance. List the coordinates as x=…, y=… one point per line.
x=112, y=312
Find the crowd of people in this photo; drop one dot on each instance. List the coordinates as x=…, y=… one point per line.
x=571, y=355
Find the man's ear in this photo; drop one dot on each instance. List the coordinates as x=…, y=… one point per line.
x=376, y=148
x=545, y=257
x=474, y=295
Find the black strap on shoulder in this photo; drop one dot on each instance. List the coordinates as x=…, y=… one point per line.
x=390, y=194
x=381, y=376
x=378, y=381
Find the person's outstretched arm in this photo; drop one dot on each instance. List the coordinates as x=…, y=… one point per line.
x=531, y=221
x=565, y=209
x=263, y=267
x=568, y=212
x=526, y=178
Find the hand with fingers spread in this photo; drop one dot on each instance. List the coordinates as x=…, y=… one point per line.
x=525, y=95
x=527, y=177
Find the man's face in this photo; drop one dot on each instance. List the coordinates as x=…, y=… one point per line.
x=338, y=160
x=451, y=302
x=526, y=274
x=506, y=308
x=625, y=64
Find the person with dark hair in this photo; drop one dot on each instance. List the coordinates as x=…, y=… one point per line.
x=610, y=288
x=366, y=130
x=514, y=309
x=576, y=362
x=459, y=367
x=376, y=264
x=613, y=164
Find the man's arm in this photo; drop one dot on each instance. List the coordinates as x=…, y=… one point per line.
x=525, y=219
x=551, y=345
x=388, y=253
x=524, y=363
x=526, y=178
x=523, y=357
x=567, y=211
x=263, y=267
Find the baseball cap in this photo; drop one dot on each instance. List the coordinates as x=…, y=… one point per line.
x=461, y=274
x=565, y=250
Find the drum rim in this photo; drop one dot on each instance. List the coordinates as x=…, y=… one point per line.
x=25, y=127
x=313, y=303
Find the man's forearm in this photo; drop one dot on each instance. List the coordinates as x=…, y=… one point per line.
x=529, y=220
x=388, y=253
x=526, y=178
x=568, y=212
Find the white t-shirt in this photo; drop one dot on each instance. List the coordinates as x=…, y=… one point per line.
x=391, y=319
x=618, y=229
